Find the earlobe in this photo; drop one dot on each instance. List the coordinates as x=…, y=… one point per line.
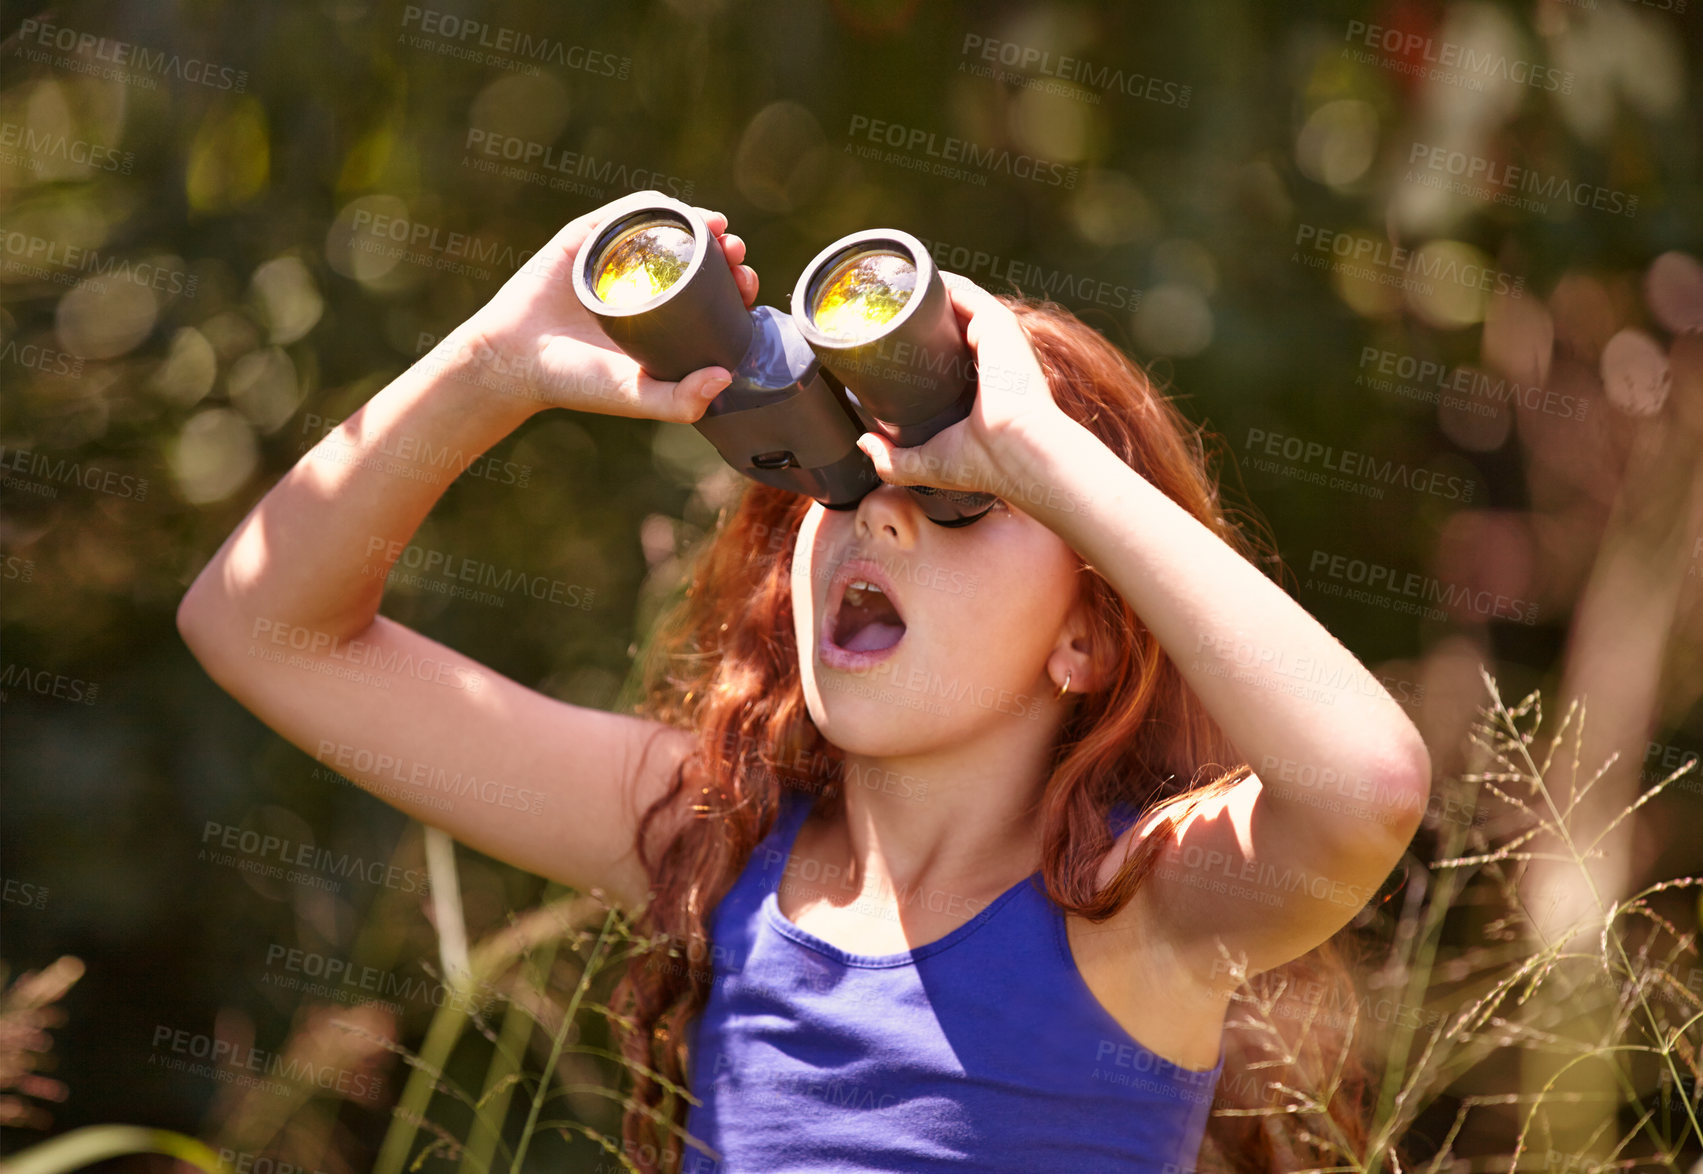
x=1071, y=670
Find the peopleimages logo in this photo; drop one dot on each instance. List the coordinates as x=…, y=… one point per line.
x=1336, y=570
x=427, y=778
x=222, y=1054
x=1438, y=60
x=1368, y=469
x=323, y=975
x=1379, y=368
x=49, y=145
x=1029, y=277
x=39, y=358
x=513, y=157
x=425, y=244
x=249, y=850
x=1511, y=184
x=1086, y=74
x=26, y=248
x=122, y=53
x=26, y=893
x=418, y=459
x=1397, y=265
x=475, y=40
x=47, y=683
x=399, y=558
x=316, y=651
x=947, y=150
x=72, y=472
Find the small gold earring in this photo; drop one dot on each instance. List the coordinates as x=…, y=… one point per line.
x=1064, y=688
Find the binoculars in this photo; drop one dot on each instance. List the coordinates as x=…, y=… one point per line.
x=871, y=344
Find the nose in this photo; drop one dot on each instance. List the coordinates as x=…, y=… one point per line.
x=890, y=511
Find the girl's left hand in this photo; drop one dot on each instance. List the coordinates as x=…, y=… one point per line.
x=1013, y=417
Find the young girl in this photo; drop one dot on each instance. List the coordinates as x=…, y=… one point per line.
x=965, y=835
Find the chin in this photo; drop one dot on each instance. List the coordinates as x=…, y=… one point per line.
x=873, y=716
x=870, y=715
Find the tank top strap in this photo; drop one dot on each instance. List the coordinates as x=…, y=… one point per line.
x=1035, y=928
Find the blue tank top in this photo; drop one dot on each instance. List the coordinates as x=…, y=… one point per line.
x=983, y=1050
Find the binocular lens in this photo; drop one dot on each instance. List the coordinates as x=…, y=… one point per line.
x=642, y=262
x=862, y=293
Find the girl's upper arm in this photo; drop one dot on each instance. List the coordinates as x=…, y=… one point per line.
x=1268, y=879
x=551, y=787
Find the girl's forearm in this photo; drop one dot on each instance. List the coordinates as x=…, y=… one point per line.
x=313, y=554
x=1292, y=699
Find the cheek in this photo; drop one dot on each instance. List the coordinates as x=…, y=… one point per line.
x=1025, y=598
x=805, y=575
x=1013, y=617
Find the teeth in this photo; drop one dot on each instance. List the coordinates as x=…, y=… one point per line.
x=857, y=588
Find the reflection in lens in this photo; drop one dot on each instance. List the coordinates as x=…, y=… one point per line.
x=642, y=262
x=863, y=292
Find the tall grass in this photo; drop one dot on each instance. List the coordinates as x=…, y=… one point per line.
x=1600, y=1015
x=515, y=970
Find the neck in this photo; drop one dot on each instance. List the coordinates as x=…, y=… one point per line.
x=959, y=819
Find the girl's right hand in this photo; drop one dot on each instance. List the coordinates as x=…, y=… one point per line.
x=534, y=338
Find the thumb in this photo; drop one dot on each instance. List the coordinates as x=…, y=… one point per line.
x=880, y=452
x=692, y=395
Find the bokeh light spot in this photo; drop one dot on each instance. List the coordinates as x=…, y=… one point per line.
x=187, y=374
x=1174, y=320
x=263, y=386
x=287, y=298
x=104, y=317
x=1338, y=142
x=1674, y=288
x=213, y=455
x=782, y=158
x=1635, y=373
x=1110, y=209
x=1445, y=283
x=230, y=158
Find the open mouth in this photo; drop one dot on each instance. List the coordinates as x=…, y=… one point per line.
x=866, y=620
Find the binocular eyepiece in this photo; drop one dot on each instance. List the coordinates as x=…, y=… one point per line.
x=871, y=344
